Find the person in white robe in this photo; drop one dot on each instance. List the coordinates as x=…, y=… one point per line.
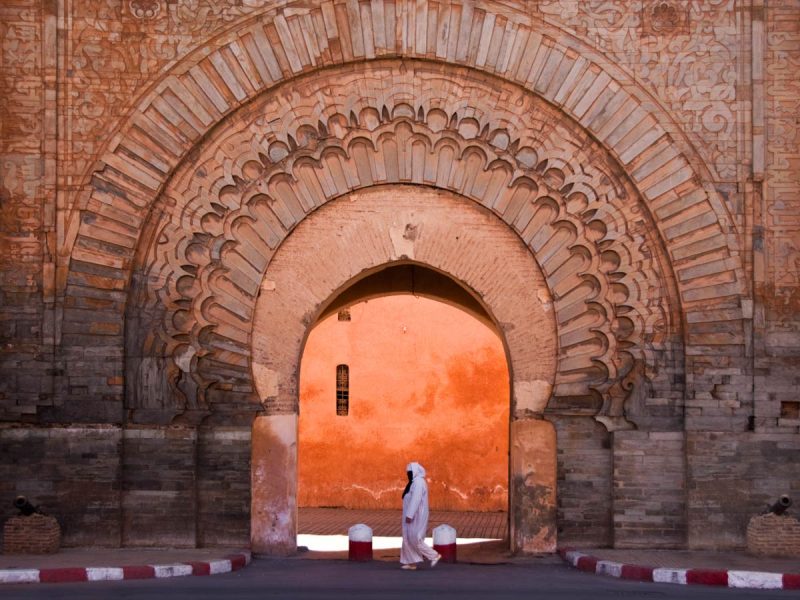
x=415, y=520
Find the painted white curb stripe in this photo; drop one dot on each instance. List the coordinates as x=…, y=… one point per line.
x=670, y=576
x=573, y=556
x=118, y=573
x=219, y=566
x=752, y=579
x=607, y=567
x=736, y=579
x=104, y=573
x=172, y=570
x=19, y=576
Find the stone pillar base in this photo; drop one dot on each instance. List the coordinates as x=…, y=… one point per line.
x=533, y=486
x=273, y=526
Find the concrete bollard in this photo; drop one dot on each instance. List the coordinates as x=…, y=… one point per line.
x=444, y=542
x=360, y=547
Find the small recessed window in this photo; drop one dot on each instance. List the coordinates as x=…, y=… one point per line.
x=342, y=390
x=790, y=410
x=344, y=314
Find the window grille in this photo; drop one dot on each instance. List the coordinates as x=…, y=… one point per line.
x=342, y=390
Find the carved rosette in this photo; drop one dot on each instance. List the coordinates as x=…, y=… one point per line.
x=665, y=17
x=145, y=9
x=224, y=214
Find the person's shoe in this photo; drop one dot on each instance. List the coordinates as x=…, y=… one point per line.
x=409, y=567
x=436, y=560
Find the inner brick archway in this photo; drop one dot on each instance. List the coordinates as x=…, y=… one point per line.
x=351, y=238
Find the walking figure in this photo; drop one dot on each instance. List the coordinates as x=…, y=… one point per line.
x=415, y=520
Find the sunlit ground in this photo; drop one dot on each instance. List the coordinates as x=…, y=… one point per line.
x=340, y=543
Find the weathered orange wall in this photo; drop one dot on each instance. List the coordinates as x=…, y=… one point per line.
x=428, y=383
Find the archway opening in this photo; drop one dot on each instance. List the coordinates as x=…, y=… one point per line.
x=404, y=365
x=359, y=236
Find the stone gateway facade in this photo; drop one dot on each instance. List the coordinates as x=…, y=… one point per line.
x=189, y=185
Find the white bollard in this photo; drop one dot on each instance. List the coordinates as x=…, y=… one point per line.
x=444, y=542
x=360, y=543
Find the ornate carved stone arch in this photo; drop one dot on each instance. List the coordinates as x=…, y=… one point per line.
x=225, y=213
x=262, y=48
x=261, y=52
x=209, y=86
x=667, y=230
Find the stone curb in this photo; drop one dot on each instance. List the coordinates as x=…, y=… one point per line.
x=233, y=562
x=734, y=579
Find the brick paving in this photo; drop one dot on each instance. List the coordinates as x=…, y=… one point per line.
x=336, y=521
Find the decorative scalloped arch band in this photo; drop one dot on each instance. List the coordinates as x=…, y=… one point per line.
x=223, y=215
x=608, y=191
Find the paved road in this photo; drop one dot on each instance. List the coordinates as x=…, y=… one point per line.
x=298, y=579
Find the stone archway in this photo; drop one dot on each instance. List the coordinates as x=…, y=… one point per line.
x=504, y=54
x=235, y=147
x=224, y=214
x=347, y=240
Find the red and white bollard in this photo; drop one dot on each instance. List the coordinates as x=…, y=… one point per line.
x=360, y=548
x=444, y=542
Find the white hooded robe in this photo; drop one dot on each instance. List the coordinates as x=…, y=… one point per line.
x=415, y=505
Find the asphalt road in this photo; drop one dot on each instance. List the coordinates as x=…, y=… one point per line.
x=299, y=579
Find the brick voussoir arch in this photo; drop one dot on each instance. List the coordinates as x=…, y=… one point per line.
x=224, y=214
x=364, y=231
x=288, y=41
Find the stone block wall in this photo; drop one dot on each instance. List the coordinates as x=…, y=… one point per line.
x=223, y=486
x=649, y=489
x=731, y=478
x=142, y=486
x=584, y=495
x=159, y=499
x=72, y=473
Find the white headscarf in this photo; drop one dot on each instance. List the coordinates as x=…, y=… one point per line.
x=417, y=470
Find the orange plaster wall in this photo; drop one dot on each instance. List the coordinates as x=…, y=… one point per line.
x=428, y=382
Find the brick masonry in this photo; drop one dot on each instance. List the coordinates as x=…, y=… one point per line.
x=649, y=489
x=73, y=473
x=688, y=134
x=731, y=478
x=774, y=535
x=585, y=467
x=34, y=534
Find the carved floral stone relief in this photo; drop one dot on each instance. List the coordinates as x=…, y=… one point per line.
x=21, y=190
x=782, y=186
x=687, y=53
x=114, y=49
